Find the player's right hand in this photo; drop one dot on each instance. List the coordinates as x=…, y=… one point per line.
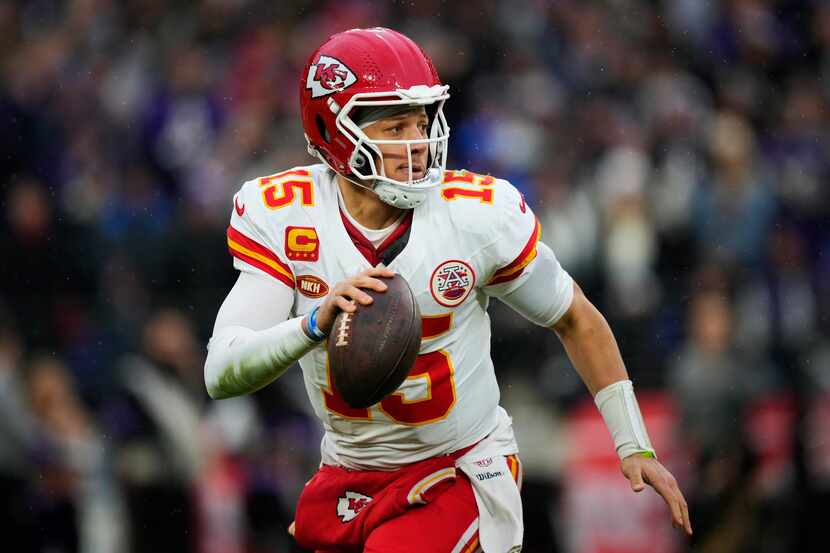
x=346, y=293
x=642, y=470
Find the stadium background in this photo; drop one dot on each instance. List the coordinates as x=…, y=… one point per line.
x=675, y=152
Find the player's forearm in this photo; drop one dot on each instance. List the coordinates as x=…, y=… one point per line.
x=590, y=344
x=595, y=355
x=241, y=360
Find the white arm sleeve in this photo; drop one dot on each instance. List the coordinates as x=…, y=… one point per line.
x=543, y=292
x=253, y=340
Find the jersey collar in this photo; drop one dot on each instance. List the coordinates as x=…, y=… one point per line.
x=388, y=249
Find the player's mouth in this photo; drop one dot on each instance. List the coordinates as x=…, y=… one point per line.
x=418, y=171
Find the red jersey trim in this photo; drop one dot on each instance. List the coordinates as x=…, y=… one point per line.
x=365, y=246
x=257, y=255
x=516, y=267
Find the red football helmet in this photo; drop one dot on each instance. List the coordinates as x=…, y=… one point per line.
x=372, y=67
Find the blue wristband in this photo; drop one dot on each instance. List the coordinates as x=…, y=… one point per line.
x=315, y=331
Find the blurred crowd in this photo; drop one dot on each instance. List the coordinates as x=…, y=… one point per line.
x=676, y=153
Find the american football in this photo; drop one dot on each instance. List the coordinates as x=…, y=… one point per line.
x=372, y=350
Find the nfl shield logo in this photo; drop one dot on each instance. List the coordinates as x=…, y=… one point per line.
x=451, y=282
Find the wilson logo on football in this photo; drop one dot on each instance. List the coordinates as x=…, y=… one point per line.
x=451, y=282
x=311, y=286
x=349, y=506
x=328, y=76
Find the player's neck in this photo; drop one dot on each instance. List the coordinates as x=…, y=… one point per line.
x=365, y=207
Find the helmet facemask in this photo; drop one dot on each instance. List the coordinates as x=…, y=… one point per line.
x=366, y=161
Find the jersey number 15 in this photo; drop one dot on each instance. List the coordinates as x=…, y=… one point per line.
x=433, y=370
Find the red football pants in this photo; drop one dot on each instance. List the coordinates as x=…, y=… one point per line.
x=447, y=523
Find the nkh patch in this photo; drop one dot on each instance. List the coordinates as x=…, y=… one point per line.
x=311, y=286
x=350, y=505
x=451, y=282
x=327, y=76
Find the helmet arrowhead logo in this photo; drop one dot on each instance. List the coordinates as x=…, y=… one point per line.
x=327, y=76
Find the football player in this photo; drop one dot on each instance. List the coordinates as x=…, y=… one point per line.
x=434, y=466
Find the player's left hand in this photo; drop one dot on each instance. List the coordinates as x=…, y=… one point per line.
x=642, y=470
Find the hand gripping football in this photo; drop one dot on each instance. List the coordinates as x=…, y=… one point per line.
x=372, y=350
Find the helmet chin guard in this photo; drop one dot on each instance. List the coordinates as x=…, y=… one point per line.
x=406, y=197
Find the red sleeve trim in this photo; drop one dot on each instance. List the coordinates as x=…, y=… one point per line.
x=257, y=255
x=516, y=267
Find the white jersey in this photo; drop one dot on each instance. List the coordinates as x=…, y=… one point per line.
x=473, y=237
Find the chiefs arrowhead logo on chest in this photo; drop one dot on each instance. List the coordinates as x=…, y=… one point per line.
x=451, y=282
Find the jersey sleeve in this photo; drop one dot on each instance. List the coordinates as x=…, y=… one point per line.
x=544, y=292
x=514, y=248
x=253, y=247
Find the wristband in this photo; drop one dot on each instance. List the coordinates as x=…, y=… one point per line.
x=622, y=416
x=313, y=330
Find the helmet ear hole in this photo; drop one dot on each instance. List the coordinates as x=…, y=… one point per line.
x=360, y=161
x=321, y=128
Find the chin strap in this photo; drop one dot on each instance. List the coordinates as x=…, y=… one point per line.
x=394, y=196
x=403, y=197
